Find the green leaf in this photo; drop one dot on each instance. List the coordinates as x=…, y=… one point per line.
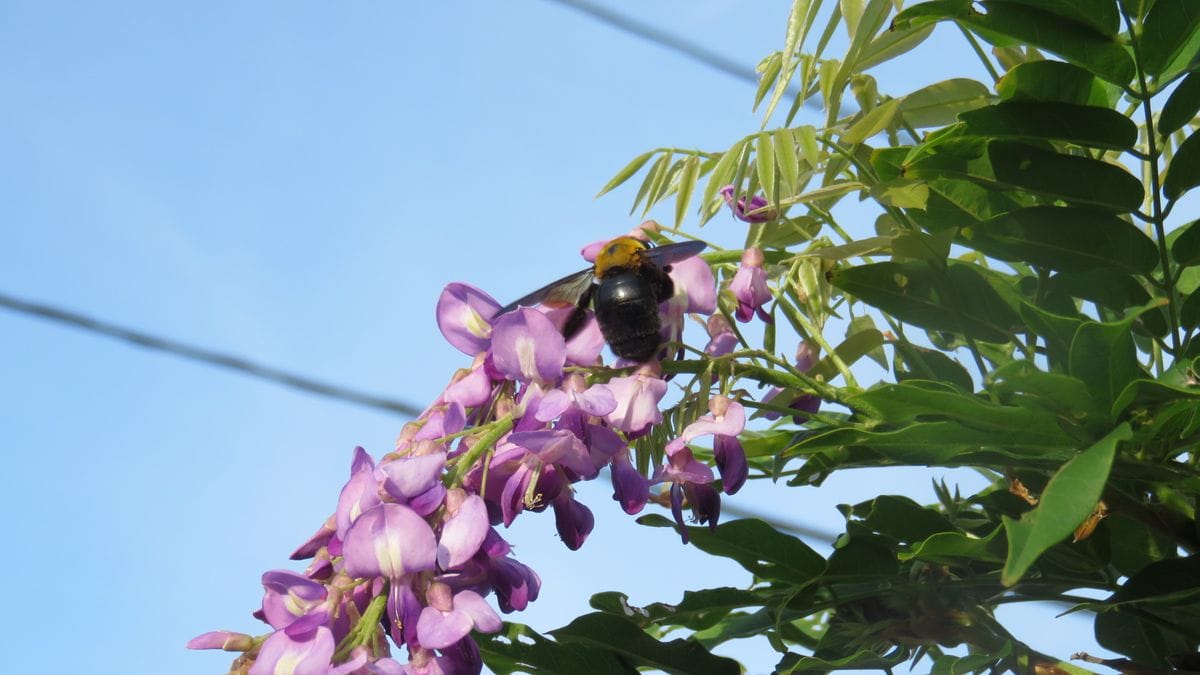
x=1104, y=357
x=832, y=191
x=1101, y=286
x=865, y=324
x=1189, y=314
x=902, y=193
x=764, y=164
x=1075, y=42
x=626, y=639
x=932, y=248
x=1167, y=30
x=855, y=249
x=948, y=548
x=519, y=648
x=1054, y=81
x=871, y=123
x=939, y=104
x=1071, y=178
x=902, y=518
x=1183, y=173
x=1182, y=106
x=654, y=177
x=807, y=135
x=624, y=174
x=861, y=659
x=1185, y=248
x=890, y=44
x=756, y=546
x=850, y=351
x=1067, y=501
x=722, y=173
x=1058, y=393
x=768, y=72
x=912, y=292
x=1080, y=124
x=1140, y=625
x=797, y=29
x=1064, y=238
x=1057, y=330
x=697, y=611
x=787, y=160
x=913, y=400
x=687, y=183
x=1146, y=392
x=1100, y=15
x=920, y=363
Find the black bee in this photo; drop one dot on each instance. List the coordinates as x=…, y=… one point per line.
x=625, y=286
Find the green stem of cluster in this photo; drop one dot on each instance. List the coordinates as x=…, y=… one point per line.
x=464, y=462
x=365, y=630
x=987, y=63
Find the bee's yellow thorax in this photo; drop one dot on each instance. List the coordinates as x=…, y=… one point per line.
x=620, y=253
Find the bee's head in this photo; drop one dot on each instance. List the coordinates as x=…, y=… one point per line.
x=620, y=253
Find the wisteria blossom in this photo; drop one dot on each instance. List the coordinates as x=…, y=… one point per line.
x=750, y=211
x=749, y=287
x=411, y=557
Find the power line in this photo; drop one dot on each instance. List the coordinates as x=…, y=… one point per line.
x=208, y=356
x=650, y=33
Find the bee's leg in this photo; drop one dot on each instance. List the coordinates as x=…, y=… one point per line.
x=578, y=316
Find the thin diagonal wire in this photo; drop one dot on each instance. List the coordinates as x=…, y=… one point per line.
x=209, y=356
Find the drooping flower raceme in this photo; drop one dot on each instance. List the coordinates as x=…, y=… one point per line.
x=412, y=554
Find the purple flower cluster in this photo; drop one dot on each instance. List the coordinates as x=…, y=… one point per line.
x=412, y=551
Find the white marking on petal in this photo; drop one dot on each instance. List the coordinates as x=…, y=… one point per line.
x=525, y=349
x=475, y=323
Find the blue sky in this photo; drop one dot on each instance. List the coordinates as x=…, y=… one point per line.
x=296, y=182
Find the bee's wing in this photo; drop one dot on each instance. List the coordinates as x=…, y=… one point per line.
x=566, y=291
x=671, y=253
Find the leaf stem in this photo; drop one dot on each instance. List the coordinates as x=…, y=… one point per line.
x=1156, y=199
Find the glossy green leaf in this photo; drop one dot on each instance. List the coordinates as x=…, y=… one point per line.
x=861, y=659
x=1075, y=42
x=913, y=400
x=920, y=363
x=1100, y=285
x=1071, y=178
x=1057, y=330
x=1185, y=245
x=1008, y=23
x=948, y=548
x=1182, y=106
x=915, y=294
x=626, y=639
x=755, y=545
x=901, y=518
x=1100, y=15
x=1167, y=30
x=1183, y=173
x=1151, y=392
x=519, y=648
x=1059, y=393
x=1189, y=313
x=1142, y=629
x=932, y=248
x=1104, y=357
x=1080, y=124
x=1064, y=238
x=939, y=104
x=1054, y=81
x=1067, y=500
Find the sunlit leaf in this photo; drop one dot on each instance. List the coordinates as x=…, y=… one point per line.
x=1067, y=500
x=624, y=174
x=687, y=183
x=755, y=545
x=939, y=104
x=872, y=123
x=622, y=637
x=1054, y=81
x=890, y=44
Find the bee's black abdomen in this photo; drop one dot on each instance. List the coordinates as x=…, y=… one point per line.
x=626, y=305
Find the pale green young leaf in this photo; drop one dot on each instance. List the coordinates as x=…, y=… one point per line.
x=624, y=174
x=722, y=173
x=656, y=181
x=768, y=74
x=890, y=44
x=787, y=161
x=807, y=135
x=939, y=104
x=797, y=28
x=688, y=176
x=872, y=123
x=764, y=164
